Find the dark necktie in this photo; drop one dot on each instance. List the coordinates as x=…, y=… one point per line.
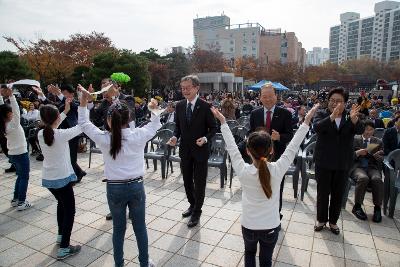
x=268, y=121
x=189, y=113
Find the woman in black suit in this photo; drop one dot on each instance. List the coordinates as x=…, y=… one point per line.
x=333, y=155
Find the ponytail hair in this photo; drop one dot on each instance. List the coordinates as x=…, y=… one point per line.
x=48, y=114
x=48, y=135
x=5, y=109
x=259, y=145
x=119, y=115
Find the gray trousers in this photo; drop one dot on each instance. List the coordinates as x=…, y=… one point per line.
x=363, y=178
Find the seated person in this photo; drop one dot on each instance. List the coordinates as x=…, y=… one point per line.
x=391, y=137
x=373, y=116
x=367, y=169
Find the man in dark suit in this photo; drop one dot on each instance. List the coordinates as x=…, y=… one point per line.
x=391, y=137
x=373, y=116
x=64, y=92
x=276, y=121
x=367, y=169
x=195, y=126
x=333, y=155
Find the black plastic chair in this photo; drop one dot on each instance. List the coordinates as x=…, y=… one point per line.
x=244, y=121
x=294, y=171
x=307, y=167
x=232, y=123
x=172, y=157
x=391, y=181
x=161, y=152
x=218, y=156
x=240, y=134
x=92, y=149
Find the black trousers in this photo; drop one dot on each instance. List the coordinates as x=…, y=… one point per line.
x=73, y=152
x=330, y=183
x=194, y=179
x=65, y=212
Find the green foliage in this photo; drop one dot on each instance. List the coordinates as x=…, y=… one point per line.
x=125, y=61
x=12, y=67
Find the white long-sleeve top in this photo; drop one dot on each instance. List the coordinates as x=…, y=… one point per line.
x=31, y=115
x=57, y=170
x=129, y=162
x=259, y=212
x=16, y=142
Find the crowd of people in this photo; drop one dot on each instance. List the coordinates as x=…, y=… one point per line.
x=120, y=127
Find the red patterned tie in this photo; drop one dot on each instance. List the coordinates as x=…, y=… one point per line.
x=268, y=121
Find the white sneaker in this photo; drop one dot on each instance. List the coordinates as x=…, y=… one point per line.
x=24, y=205
x=151, y=263
x=14, y=203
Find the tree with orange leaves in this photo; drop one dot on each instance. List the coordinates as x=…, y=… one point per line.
x=55, y=60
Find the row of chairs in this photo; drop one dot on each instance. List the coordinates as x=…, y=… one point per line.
x=391, y=174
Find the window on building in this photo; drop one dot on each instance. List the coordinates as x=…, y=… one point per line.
x=244, y=48
x=231, y=42
x=231, y=49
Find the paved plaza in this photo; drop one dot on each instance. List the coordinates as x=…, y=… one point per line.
x=27, y=238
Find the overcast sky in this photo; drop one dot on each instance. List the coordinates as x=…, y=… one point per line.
x=141, y=24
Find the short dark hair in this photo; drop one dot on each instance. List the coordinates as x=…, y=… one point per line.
x=341, y=91
x=369, y=123
x=67, y=87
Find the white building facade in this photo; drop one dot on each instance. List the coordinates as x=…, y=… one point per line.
x=317, y=56
x=376, y=37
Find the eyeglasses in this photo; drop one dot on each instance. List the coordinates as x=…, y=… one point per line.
x=335, y=101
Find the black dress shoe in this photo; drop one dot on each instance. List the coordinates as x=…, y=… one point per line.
x=81, y=176
x=336, y=231
x=359, y=213
x=194, y=220
x=40, y=157
x=109, y=217
x=187, y=213
x=11, y=169
x=377, y=215
x=319, y=228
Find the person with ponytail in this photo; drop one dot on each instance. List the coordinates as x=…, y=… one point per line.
x=123, y=153
x=10, y=127
x=57, y=173
x=260, y=183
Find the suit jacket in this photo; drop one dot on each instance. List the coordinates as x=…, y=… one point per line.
x=372, y=162
x=390, y=141
x=378, y=123
x=72, y=116
x=202, y=124
x=334, y=146
x=281, y=122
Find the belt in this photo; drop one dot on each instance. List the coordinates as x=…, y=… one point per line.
x=126, y=181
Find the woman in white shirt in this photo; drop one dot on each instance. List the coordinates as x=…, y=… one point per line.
x=11, y=128
x=32, y=114
x=123, y=152
x=57, y=173
x=260, y=183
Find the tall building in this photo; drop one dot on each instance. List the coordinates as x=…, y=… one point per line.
x=376, y=37
x=247, y=39
x=317, y=56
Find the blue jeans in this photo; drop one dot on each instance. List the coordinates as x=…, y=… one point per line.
x=120, y=196
x=21, y=163
x=267, y=240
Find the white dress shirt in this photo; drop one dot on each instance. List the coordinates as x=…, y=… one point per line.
x=259, y=212
x=266, y=113
x=129, y=163
x=32, y=115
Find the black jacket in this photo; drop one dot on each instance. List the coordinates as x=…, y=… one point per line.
x=334, y=149
x=390, y=141
x=281, y=122
x=72, y=116
x=202, y=124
